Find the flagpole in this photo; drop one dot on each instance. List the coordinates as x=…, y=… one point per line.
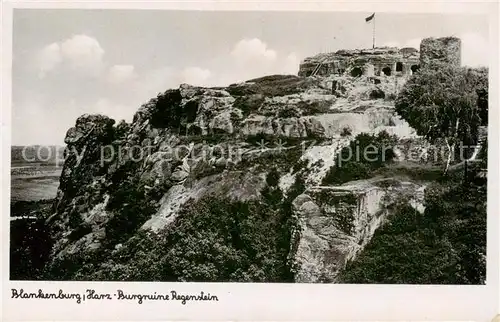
x=373, y=45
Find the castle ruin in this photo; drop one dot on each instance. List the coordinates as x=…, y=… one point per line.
x=383, y=61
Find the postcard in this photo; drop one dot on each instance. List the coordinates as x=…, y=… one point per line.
x=250, y=161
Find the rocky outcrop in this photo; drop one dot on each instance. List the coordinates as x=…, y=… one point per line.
x=85, y=141
x=122, y=180
x=335, y=223
x=236, y=185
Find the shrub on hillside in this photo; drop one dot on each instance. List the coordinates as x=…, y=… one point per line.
x=273, y=85
x=377, y=93
x=30, y=246
x=445, y=102
x=346, y=131
x=219, y=240
x=131, y=208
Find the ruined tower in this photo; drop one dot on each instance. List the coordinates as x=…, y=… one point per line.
x=446, y=50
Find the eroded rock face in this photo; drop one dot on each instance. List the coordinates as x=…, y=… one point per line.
x=83, y=151
x=191, y=142
x=335, y=223
x=235, y=185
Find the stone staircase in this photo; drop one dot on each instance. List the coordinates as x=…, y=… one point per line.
x=318, y=67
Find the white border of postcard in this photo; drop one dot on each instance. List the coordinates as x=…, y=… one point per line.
x=277, y=302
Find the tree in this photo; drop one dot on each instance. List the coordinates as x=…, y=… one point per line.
x=442, y=102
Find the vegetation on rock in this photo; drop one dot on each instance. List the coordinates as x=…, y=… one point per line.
x=215, y=239
x=447, y=102
x=273, y=85
x=30, y=240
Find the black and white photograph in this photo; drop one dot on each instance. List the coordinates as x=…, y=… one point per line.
x=281, y=147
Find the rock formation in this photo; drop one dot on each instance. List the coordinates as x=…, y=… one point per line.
x=337, y=222
x=123, y=180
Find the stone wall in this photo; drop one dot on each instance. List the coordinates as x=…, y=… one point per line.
x=387, y=61
x=383, y=61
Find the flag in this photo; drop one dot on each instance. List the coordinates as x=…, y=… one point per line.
x=367, y=19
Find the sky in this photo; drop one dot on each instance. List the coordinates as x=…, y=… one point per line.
x=67, y=62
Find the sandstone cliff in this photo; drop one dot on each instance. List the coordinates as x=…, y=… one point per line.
x=122, y=182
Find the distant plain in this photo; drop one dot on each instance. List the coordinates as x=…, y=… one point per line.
x=34, y=180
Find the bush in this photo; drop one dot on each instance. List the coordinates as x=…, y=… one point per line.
x=377, y=93
x=221, y=241
x=121, y=129
x=445, y=102
x=131, y=209
x=273, y=178
x=74, y=219
x=288, y=113
x=300, y=165
x=346, y=131
x=129, y=203
x=272, y=140
x=30, y=247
